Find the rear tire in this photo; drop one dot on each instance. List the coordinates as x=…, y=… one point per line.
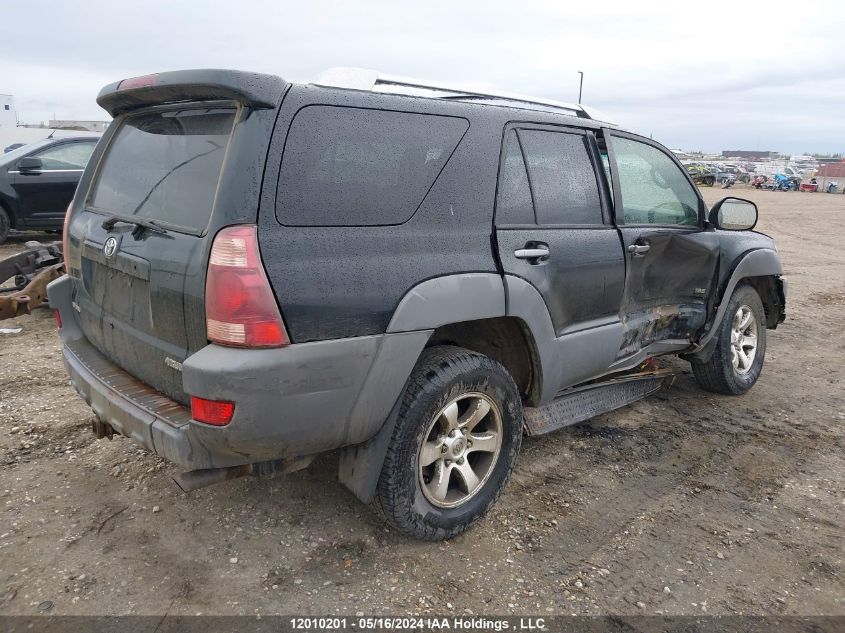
x=5, y=225
x=737, y=359
x=454, y=446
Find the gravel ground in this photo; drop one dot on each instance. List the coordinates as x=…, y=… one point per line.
x=685, y=503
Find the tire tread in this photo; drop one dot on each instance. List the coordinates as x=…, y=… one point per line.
x=5, y=224
x=716, y=373
x=439, y=364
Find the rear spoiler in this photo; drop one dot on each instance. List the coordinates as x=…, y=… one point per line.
x=252, y=89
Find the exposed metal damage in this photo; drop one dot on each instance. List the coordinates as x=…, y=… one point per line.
x=660, y=323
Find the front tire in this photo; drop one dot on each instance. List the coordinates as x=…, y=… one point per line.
x=737, y=360
x=5, y=225
x=454, y=446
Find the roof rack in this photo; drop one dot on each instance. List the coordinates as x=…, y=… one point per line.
x=374, y=81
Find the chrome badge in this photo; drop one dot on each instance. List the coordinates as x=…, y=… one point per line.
x=110, y=247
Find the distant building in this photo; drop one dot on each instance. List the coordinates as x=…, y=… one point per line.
x=831, y=172
x=13, y=131
x=8, y=117
x=82, y=126
x=748, y=154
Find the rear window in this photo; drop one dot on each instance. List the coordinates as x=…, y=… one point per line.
x=350, y=166
x=165, y=165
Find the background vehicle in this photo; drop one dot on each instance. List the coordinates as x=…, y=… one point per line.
x=702, y=174
x=37, y=182
x=777, y=167
x=759, y=181
x=742, y=175
x=736, y=173
x=417, y=280
x=781, y=182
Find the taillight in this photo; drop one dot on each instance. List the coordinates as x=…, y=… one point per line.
x=58, y=316
x=240, y=308
x=214, y=412
x=65, y=235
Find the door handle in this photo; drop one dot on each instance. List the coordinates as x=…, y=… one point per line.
x=639, y=250
x=536, y=252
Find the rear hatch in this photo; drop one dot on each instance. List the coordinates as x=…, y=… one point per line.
x=140, y=238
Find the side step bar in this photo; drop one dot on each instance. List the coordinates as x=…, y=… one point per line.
x=582, y=403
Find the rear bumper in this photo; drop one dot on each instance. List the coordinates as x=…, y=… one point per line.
x=161, y=426
x=289, y=402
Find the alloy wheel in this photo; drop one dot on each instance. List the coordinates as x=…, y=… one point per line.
x=460, y=449
x=743, y=340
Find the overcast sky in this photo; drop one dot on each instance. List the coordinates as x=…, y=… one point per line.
x=695, y=75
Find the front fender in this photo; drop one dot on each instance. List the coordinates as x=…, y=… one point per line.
x=762, y=262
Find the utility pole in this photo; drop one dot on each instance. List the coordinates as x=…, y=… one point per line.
x=580, y=86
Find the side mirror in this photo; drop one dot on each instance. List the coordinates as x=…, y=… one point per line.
x=734, y=214
x=29, y=165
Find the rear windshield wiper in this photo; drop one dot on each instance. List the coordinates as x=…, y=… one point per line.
x=155, y=227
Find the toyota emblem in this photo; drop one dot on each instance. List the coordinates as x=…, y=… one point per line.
x=110, y=247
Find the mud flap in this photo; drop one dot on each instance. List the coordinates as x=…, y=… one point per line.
x=360, y=465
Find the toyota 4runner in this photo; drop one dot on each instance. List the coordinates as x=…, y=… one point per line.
x=414, y=274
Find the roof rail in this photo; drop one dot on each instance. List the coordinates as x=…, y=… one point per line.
x=374, y=81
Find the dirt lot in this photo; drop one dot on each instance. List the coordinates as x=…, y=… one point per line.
x=686, y=503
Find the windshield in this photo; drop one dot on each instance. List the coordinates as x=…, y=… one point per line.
x=15, y=154
x=165, y=165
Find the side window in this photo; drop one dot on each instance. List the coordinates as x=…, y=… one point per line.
x=352, y=166
x=513, y=203
x=562, y=178
x=66, y=156
x=654, y=189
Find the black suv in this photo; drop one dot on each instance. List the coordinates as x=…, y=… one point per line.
x=416, y=275
x=37, y=182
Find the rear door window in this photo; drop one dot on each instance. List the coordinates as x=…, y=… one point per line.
x=165, y=165
x=563, y=181
x=351, y=166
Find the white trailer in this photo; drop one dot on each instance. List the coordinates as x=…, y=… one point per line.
x=8, y=117
x=776, y=167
